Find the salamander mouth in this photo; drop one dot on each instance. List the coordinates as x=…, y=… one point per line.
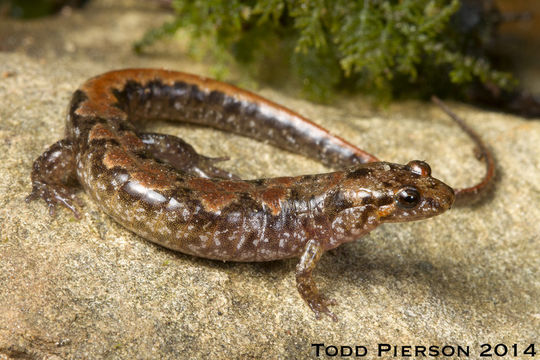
x=428, y=207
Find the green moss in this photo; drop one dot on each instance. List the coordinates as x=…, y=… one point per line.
x=385, y=47
x=25, y=9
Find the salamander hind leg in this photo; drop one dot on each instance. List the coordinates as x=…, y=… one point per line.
x=305, y=284
x=53, y=176
x=182, y=156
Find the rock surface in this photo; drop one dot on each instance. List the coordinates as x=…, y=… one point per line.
x=91, y=289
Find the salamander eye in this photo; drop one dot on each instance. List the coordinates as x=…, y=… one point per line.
x=419, y=167
x=408, y=197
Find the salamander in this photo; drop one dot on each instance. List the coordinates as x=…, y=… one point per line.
x=160, y=188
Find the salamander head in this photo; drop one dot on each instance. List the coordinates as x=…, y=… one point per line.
x=398, y=193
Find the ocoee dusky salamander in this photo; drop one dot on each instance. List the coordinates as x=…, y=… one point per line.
x=160, y=188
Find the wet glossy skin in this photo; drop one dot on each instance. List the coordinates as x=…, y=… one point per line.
x=157, y=186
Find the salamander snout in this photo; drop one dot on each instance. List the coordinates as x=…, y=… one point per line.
x=416, y=194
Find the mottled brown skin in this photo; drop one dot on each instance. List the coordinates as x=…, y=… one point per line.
x=160, y=188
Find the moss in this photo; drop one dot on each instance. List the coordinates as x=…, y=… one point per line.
x=24, y=9
x=386, y=47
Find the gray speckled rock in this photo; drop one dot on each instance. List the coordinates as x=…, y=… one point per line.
x=91, y=289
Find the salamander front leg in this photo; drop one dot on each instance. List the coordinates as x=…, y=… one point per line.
x=182, y=156
x=305, y=284
x=53, y=178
